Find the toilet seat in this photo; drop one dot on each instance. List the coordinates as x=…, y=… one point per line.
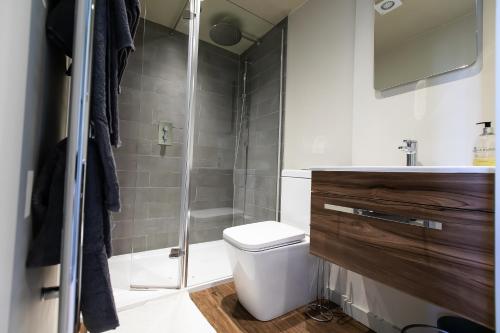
x=261, y=236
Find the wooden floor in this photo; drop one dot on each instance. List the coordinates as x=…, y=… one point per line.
x=221, y=308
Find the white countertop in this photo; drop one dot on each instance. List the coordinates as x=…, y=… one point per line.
x=427, y=169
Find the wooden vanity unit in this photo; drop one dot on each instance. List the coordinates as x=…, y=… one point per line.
x=425, y=231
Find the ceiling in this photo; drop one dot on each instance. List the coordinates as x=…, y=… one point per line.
x=415, y=17
x=254, y=17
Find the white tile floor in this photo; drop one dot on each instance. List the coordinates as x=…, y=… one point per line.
x=207, y=262
x=160, y=309
x=175, y=313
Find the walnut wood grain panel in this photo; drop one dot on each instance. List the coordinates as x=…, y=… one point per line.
x=460, y=191
x=452, y=268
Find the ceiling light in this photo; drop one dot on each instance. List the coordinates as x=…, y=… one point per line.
x=385, y=6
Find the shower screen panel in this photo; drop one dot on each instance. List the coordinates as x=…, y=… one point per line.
x=154, y=111
x=236, y=155
x=201, y=132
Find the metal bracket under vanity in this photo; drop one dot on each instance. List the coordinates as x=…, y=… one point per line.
x=427, y=232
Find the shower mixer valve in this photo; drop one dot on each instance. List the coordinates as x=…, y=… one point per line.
x=165, y=133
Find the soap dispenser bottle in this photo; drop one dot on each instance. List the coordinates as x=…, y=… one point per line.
x=484, y=151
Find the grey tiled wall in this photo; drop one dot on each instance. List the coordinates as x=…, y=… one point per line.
x=257, y=159
x=153, y=90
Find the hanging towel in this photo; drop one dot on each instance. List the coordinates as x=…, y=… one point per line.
x=97, y=302
x=60, y=25
x=115, y=25
x=124, y=18
x=133, y=8
x=100, y=97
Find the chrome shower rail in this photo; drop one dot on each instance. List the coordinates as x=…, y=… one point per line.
x=74, y=187
x=280, y=128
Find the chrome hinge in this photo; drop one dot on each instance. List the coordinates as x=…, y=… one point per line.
x=175, y=252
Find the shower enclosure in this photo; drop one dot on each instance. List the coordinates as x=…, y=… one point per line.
x=201, y=138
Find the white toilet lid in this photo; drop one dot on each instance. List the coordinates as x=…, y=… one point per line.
x=262, y=235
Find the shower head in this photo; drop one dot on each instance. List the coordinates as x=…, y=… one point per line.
x=225, y=34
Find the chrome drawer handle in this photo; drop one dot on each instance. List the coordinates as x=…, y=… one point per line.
x=429, y=224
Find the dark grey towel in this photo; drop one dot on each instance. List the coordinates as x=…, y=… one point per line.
x=115, y=25
x=124, y=18
x=97, y=302
x=101, y=95
x=133, y=15
x=47, y=212
x=60, y=25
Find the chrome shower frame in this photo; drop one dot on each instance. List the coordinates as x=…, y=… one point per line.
x=280, y=126
x=192, y=77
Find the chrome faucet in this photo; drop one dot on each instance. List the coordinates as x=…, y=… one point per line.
x=410, y=148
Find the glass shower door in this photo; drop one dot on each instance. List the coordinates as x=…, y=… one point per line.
x=161, y=77
x=236, y=161
x=201, y=139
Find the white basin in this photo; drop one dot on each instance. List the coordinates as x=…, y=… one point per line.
x=427, y=169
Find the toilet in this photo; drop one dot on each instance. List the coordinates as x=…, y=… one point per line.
x=272, y=268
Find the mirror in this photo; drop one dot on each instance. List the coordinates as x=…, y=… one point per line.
x=419, y=39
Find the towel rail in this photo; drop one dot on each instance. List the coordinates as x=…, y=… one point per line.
x=74, y=187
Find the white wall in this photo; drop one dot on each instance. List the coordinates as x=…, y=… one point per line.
x=29, y=114
x=379, y=306
x=318, y=117
x=442, y=117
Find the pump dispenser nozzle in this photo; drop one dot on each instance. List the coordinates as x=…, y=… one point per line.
x=484, y=151
x=487, y=129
